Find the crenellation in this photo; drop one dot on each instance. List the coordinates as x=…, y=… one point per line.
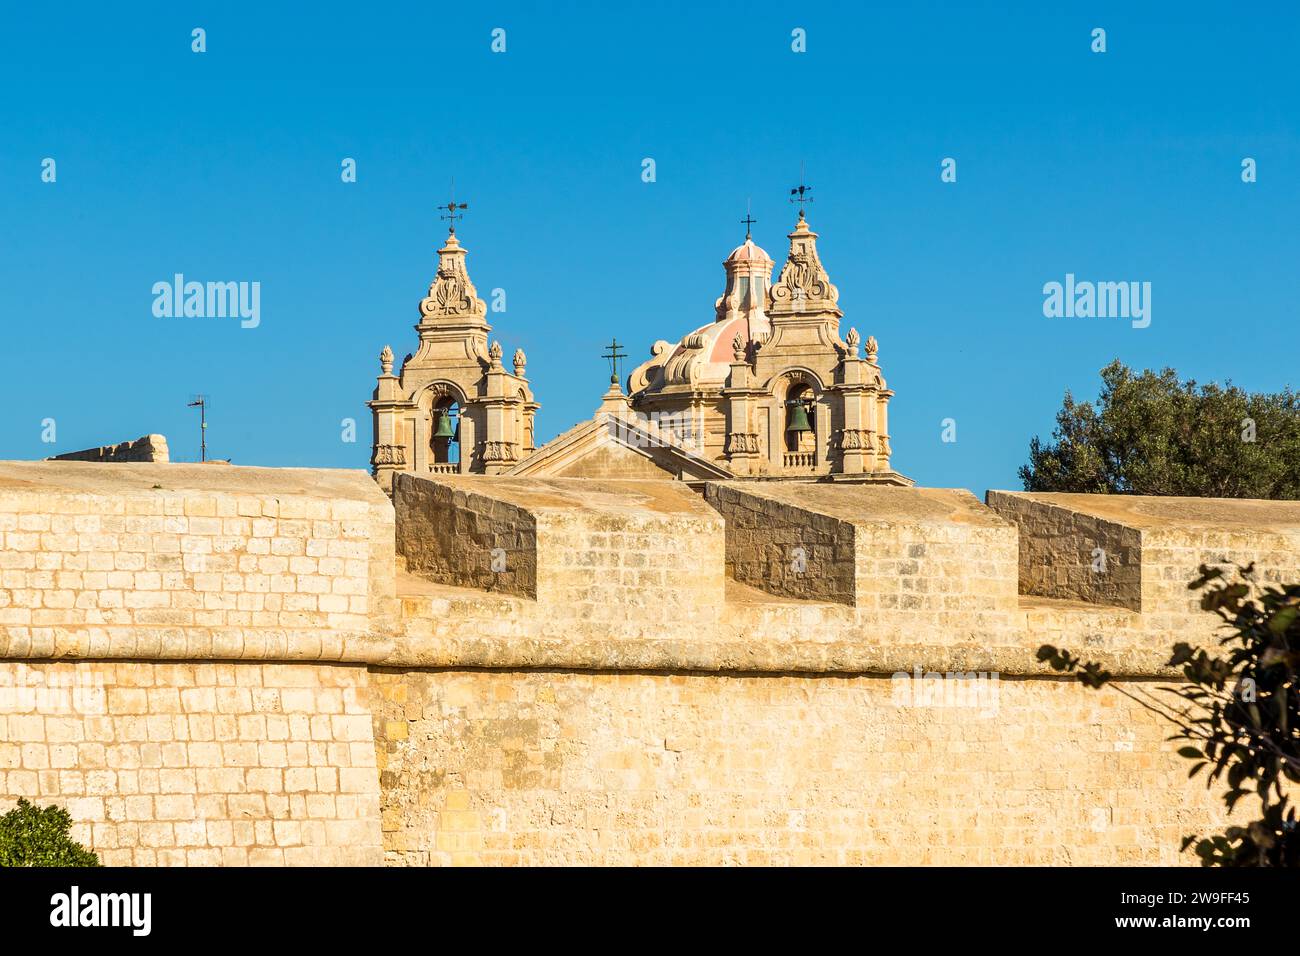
x=279, y=666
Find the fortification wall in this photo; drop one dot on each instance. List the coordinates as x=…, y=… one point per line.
x=192, y=703
x=1140, y=552
x=1071, y=555
x=607, y=552
x=449, y=534
x=573, y=767
x=186, y=562
x=147, y=448
x=126, y=591
x=202, y=763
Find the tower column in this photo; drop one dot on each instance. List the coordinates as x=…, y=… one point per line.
x=742, y=438
x=501, y=443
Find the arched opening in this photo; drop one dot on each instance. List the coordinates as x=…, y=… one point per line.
x=444, y=433
x=801, y=422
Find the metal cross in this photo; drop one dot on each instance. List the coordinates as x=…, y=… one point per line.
x=748, y=220
x=613, y=353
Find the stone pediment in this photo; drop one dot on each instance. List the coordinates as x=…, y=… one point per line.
x=610, y=446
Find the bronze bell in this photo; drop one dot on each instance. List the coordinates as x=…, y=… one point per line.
x=798, y=418
x=443, y=428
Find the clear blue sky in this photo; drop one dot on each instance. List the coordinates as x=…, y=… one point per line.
x=225, y=166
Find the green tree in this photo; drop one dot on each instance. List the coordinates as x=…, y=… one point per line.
x=1239, y=713
x=32, y=836
x=1150, y=434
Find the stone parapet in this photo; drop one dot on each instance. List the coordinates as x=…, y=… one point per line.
x=612, y=552
x=186, y=562
x=150, y=448
x=929, y=551
x=1140, y=552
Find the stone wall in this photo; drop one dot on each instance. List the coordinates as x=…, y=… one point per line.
x=189, y=562
x=1062, y=550
x=779, y=547
x=909, y=557
x=159, y=577
x=599, y=551
x=190, y=702
x=146, y=449
x=581, y=768
x=198, y=764
x=448, y=533
x=1152, y=548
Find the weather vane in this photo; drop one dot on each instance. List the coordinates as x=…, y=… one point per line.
x=451, y=208
x=800, y=193
x=613, y=353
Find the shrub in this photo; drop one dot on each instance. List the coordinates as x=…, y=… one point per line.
x=1239, y=713
x=32, y=836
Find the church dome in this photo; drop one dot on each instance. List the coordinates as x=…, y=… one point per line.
x=747, y=251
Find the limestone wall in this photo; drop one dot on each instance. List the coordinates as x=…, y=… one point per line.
x=157, y=576
x=777, y=546
x=148, y=448
x=1061, y=550
x=448, y=533
x=907, y=558
x=189, y=562
x=1151, y=547
x=198, y=764
x=529, y=768
x=599, y=551
x=226, y=665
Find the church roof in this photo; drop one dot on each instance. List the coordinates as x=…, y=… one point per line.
x=704, y=357
x=749, y=251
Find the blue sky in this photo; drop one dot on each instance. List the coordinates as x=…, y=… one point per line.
x=1122, y=166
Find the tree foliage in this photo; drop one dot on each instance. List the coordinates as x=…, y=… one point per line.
x=35, y=836
x=1150, y=434
x=1239, y=713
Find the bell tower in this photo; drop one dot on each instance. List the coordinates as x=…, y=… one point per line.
x=453, y=408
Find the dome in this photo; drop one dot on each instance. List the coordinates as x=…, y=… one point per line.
x=748, y=252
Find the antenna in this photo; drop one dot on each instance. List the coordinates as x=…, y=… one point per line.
x=201, y=402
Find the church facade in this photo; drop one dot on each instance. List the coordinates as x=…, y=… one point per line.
x=767, y=389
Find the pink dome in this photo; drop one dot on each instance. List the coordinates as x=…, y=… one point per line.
x=748, y=252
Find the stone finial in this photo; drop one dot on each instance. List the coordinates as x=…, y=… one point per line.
x=386, y=360
x=494, y=354
x=452, y=294
x=803, y=285
x=871, y=348
x=520, y=362
x=852, y=340
x=738, y=348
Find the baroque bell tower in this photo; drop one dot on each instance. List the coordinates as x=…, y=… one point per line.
x=453, y=408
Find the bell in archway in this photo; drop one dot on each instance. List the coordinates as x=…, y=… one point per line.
x=798, y=418
x=443, y=427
